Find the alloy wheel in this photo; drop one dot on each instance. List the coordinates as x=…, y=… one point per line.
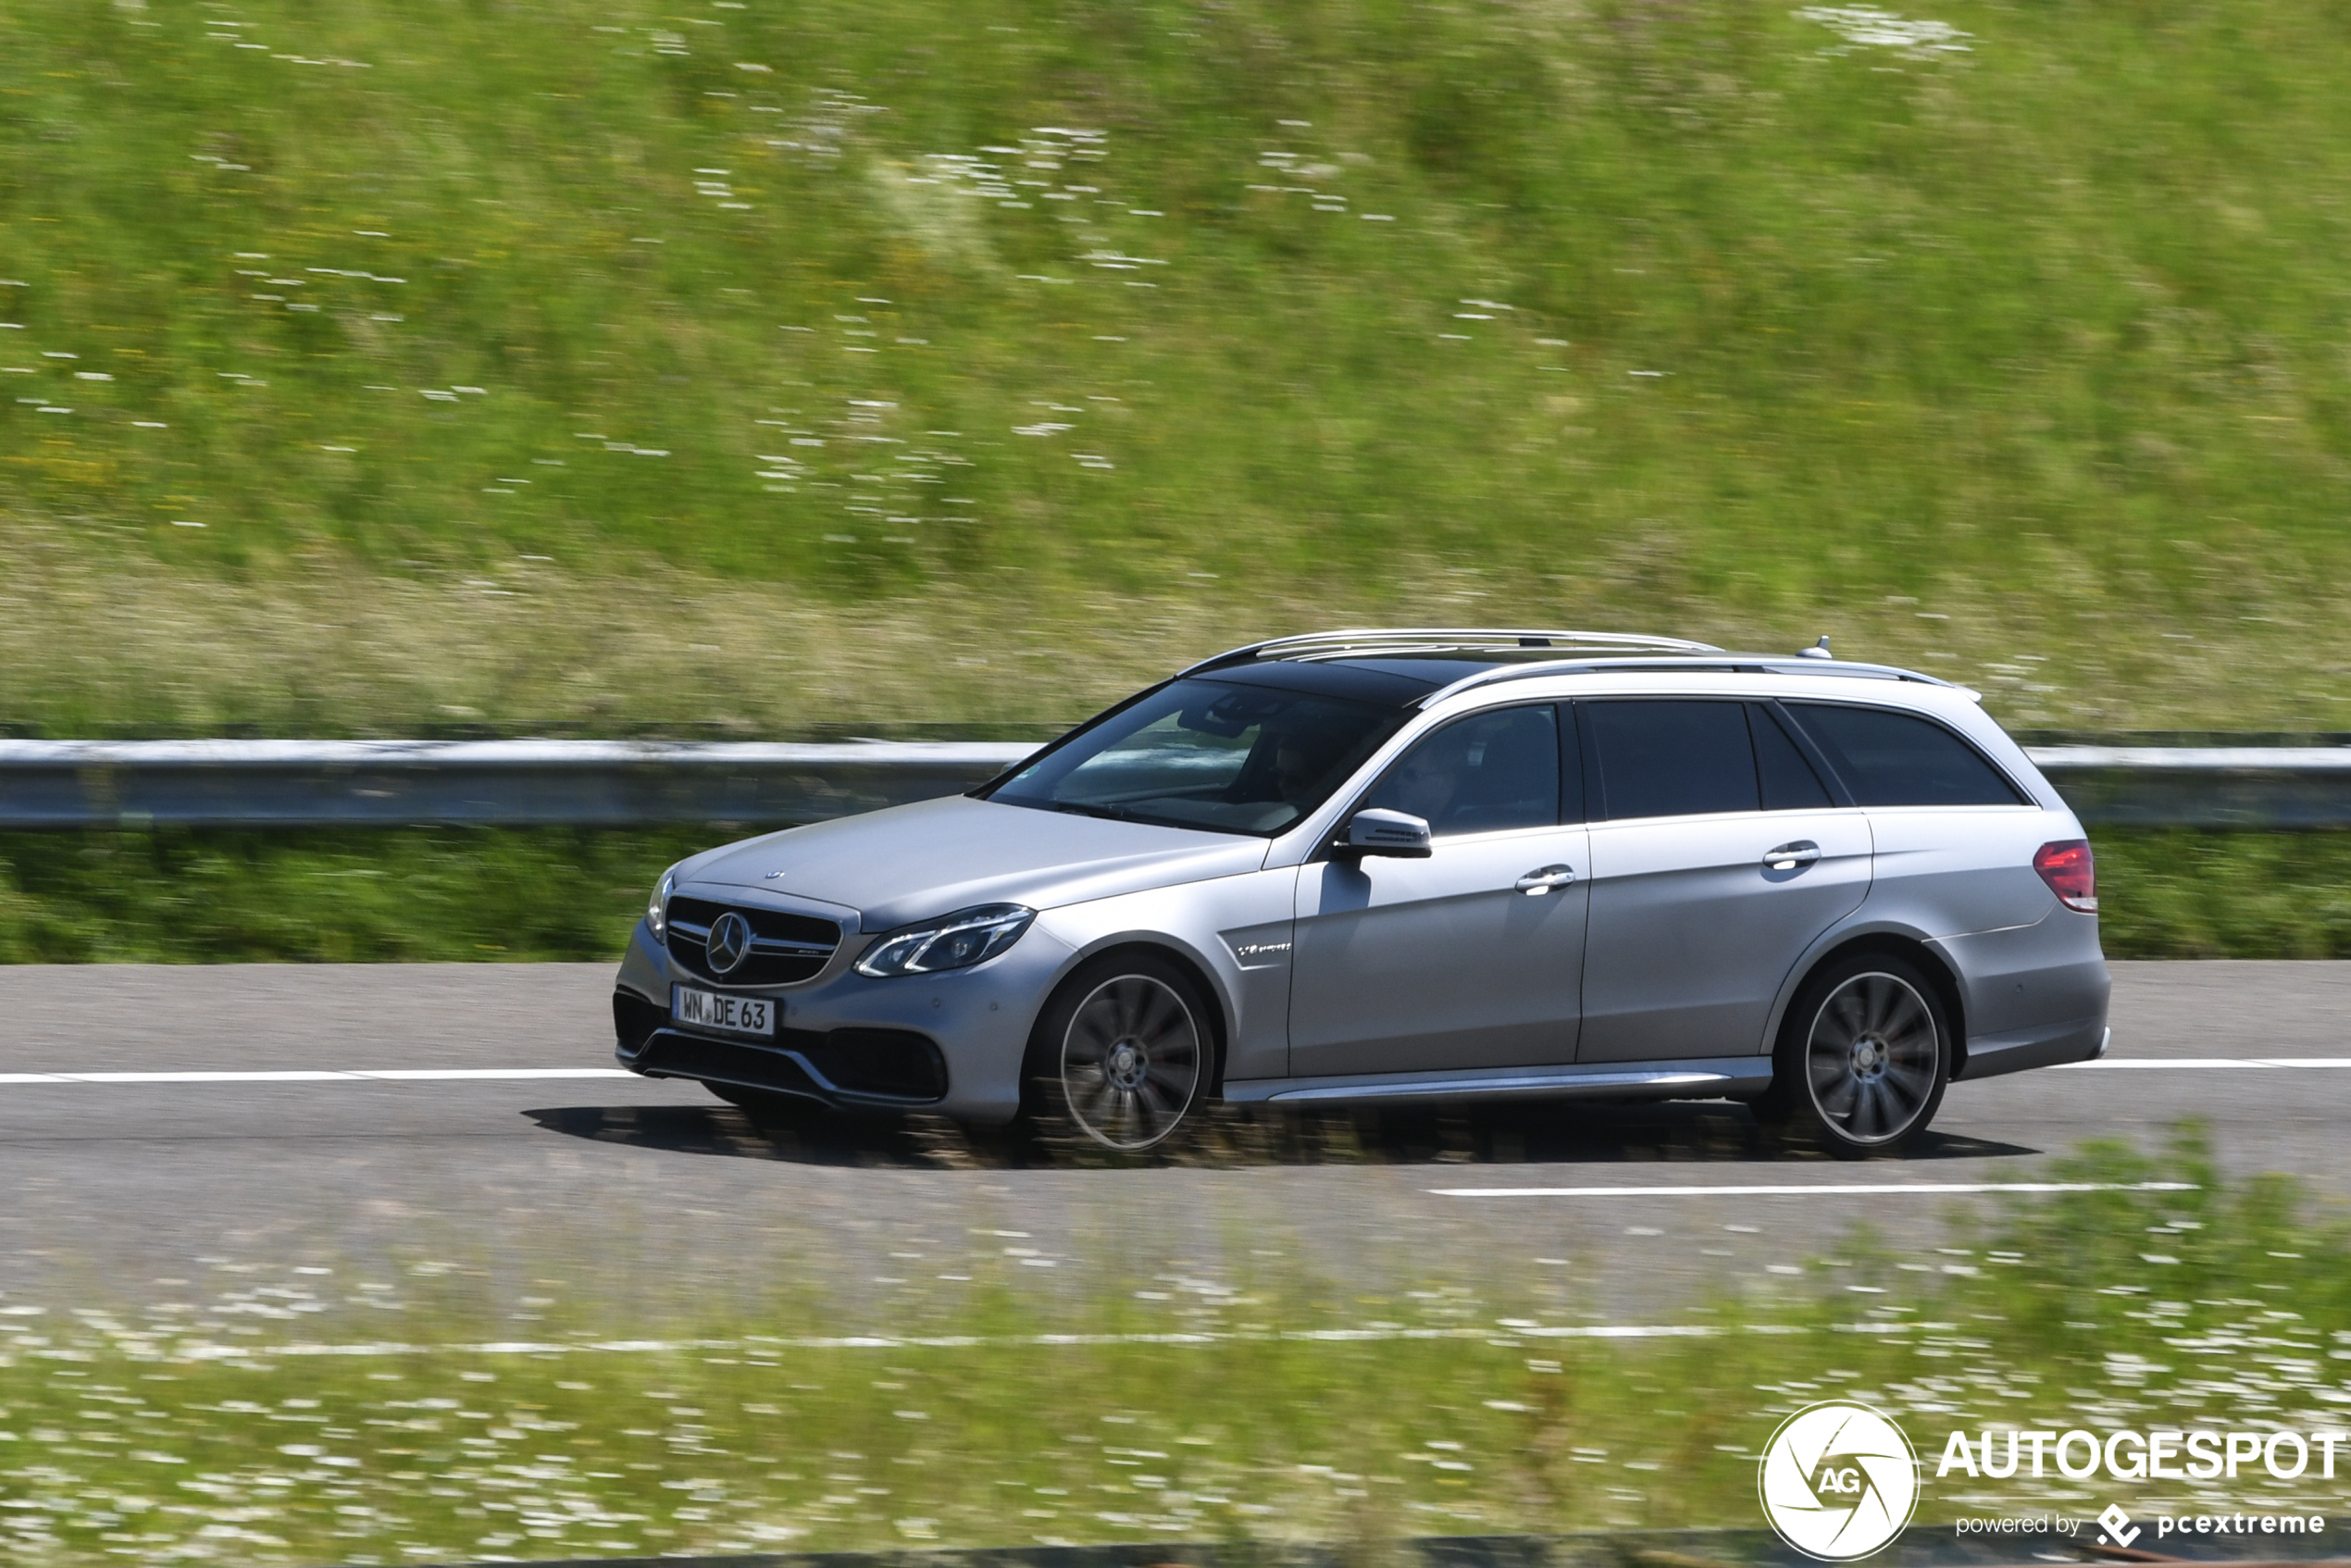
x=1871, y=1058
x=1130, y=1062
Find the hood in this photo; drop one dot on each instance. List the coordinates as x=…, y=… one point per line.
x=915, y=862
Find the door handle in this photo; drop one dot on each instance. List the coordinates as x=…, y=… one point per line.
x=1787, y=857
x=1542, y=879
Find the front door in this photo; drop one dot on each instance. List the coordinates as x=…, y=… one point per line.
x=1473, y=957
x=1721, y=859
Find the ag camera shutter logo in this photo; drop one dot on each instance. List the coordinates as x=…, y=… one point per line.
x=1838, y=1480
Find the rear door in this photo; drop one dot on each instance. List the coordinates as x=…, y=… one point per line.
x=1473, y=957
x=1719, y=855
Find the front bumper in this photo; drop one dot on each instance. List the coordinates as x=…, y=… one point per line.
x=892, y=1069
x=952, y=1043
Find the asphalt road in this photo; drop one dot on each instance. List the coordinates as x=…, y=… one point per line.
x=653, y=1199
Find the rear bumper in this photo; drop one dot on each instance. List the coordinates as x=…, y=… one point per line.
x=1988, y=1056
x=2036, y=995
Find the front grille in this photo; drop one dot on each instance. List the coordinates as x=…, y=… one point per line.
x=784, y=948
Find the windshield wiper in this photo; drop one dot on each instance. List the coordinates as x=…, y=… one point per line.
x=1078, y=808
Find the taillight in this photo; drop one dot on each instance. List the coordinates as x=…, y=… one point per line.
x=2067, y=868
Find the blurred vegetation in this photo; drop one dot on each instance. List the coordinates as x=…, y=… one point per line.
x=420, y=894
x=1123, y=1400
x=409, y=895
x=2185, y=894
x=547, y=360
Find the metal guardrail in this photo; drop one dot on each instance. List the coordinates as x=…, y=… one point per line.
x=68, y=784
x=479, y=783
x=2202, y=785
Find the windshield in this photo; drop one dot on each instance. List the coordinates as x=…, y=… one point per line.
x=1204, y=753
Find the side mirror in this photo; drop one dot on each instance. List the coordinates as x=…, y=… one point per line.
x=1381, y=831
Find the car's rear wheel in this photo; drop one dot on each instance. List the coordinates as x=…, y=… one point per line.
x=1123, y=1051
x=1864, y=1055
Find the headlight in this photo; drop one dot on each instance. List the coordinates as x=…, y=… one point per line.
x=657, y=907
x=952, y=941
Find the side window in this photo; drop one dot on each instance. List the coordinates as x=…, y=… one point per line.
x=1789, y=782
x=1479, y=773
x=1672, y=758
x=1890, y=759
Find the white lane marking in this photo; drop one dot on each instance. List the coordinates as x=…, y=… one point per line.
x=1793, y=1189
x=401, y=1074
x=321, y=1075
x=2213, y=1062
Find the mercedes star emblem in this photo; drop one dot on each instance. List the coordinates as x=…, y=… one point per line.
x=730, y=942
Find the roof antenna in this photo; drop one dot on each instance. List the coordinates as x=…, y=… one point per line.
x=1818, y=650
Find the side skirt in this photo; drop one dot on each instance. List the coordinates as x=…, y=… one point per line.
x=1732, y=1078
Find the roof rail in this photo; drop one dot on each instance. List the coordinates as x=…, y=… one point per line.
x=1396, y=640
x=1752, y=664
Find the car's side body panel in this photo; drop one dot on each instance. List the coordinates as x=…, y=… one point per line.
x=1694, y=930
x=1233, y=932
x=1962, y=868
x=2031, y=989
x=1407, y=966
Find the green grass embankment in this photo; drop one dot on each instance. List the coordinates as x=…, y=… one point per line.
x=603, y=363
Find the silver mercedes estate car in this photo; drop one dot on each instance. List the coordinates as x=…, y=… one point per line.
x=1412, y=866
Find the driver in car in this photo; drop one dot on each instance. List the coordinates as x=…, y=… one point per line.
x=1425, y=785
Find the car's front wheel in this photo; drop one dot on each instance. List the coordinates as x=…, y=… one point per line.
x=1864, y=1055
x=1123, y=1051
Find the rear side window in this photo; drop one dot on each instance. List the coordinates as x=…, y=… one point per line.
x=1672, y=758
x=1890, y=759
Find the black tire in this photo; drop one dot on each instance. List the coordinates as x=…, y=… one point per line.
x=1123, y=1053
x=766, y=1108
x=1863, y=1058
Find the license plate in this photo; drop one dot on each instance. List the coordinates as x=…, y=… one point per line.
x=731, y=1015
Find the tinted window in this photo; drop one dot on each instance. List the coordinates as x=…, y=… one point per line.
x=1890, y=759
x=1789, y=782
x=1668, y=759
x=1480, y=774
x=1202, y=754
